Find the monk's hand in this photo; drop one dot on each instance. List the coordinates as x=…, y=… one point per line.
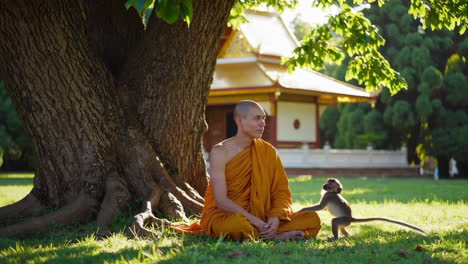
x=258, y=224
x=271, y=227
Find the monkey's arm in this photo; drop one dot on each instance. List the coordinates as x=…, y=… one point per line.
x=317, y=207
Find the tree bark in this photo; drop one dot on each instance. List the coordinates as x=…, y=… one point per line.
x=173, y=115
x=115, y=111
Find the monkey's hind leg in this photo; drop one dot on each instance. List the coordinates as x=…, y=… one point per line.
x=344, y=231
x=340, y=223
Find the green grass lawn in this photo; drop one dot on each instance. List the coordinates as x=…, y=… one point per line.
x=437, y=206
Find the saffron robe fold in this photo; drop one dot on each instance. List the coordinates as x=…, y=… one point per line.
x=255, y=180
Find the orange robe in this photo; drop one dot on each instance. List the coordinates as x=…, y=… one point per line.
x=256, y=181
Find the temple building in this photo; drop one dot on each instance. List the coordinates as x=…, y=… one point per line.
x=249, y=68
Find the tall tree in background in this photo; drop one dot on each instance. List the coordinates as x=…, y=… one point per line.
x=115, y=107
x=443, y=104
x=328, y=125
x=430, y=115
x=353, y=126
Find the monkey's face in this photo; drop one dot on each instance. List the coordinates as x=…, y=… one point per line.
x=332, y=186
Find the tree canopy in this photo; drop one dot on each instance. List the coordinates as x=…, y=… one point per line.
x=430, y=116
x=361, y=39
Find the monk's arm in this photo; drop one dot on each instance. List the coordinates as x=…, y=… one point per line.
x=218, y=162
x=281, y=195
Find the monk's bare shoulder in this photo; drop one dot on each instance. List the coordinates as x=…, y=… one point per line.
x=224, y=151
x=220, y=153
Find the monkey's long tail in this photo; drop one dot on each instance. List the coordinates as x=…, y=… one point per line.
x=388, y=220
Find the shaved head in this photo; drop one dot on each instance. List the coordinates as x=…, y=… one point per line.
x=243, y=107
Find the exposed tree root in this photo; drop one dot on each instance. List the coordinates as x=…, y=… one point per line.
x=81, y=209
x=171, y=206
x=140, y=220
x=143, y=160
x=27, y=206
x=156, y=196
x=190, y=206
x=192, y=193
x=116, y=198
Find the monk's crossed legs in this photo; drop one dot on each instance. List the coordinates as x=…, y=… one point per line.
x=302, y=225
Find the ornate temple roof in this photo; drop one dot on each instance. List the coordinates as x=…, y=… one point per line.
x=250, y=59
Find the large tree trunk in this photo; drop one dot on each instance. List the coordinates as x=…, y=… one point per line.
x=114, y=111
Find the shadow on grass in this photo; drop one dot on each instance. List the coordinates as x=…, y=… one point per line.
x=371, y=246
x=16, y=181
x=71, y=253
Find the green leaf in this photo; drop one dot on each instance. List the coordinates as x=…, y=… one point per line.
x=130, y=3
x=186, y=8
x=168, y=11
x=161, y=3
x=463, y=29
x=147, y=5
x=139, y=5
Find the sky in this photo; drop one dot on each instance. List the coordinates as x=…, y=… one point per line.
x=313, y=15
x=307, y=13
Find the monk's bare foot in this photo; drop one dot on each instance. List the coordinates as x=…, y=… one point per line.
x=290, y=235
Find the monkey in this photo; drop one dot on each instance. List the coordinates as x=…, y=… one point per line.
x=338, y=206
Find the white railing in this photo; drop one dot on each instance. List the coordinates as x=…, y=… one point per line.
x=343, y=158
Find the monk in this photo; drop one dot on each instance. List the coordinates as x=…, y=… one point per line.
x=248, y=195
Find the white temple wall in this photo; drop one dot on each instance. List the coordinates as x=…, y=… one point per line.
x=305, y=114
x=342, y=158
